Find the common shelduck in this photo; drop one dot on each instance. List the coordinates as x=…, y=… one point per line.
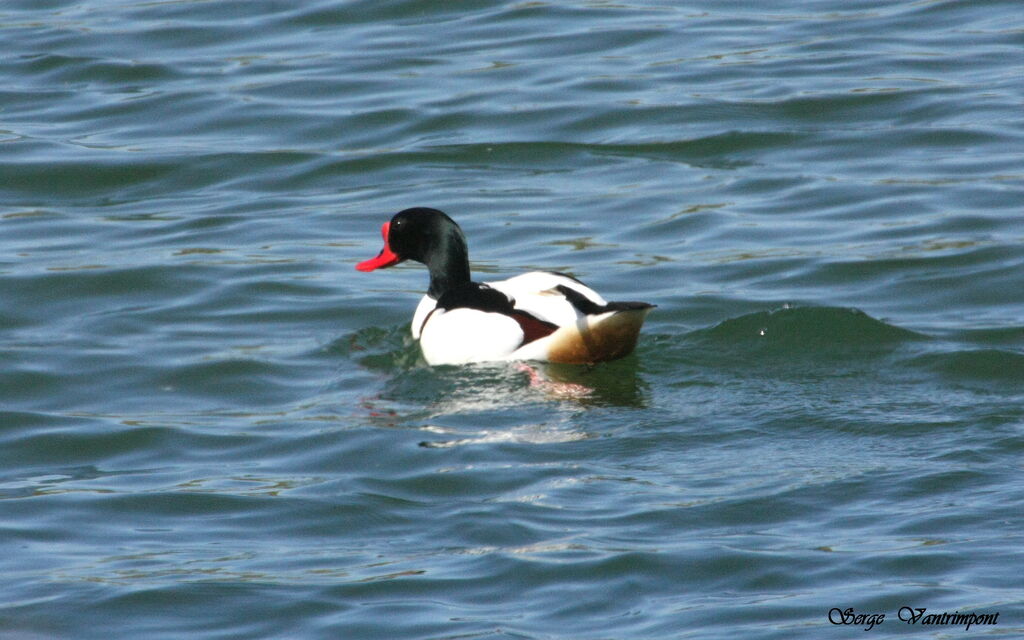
x=540, y=315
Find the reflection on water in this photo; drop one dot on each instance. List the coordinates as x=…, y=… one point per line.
x=489, y=386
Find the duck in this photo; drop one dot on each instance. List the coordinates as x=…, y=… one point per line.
x=544, y=316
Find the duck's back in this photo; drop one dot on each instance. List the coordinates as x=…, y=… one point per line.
x=538, y=293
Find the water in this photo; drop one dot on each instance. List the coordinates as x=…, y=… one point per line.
x=214, y=427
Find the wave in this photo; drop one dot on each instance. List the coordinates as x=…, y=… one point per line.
x=806, y=328
x=987, y=366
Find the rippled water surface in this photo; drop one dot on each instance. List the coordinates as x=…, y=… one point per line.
x=212, y=426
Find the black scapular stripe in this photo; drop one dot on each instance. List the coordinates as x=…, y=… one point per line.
x=588, y=307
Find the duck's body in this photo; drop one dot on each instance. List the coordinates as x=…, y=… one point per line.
x=540, y=323
x=539, y=315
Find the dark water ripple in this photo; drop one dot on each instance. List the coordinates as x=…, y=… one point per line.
x=212, y=426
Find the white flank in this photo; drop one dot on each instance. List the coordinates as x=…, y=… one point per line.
x=467, y=335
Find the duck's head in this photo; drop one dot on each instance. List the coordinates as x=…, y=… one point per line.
x=417, y=234
x=428, y=236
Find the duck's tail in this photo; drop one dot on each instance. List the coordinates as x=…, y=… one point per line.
x=604, y=332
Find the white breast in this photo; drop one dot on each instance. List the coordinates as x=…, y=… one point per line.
x=423, y=309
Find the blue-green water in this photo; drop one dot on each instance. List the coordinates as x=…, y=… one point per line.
x=213, y=427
